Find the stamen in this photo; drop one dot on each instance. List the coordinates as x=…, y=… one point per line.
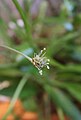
x=40, y=72
x=48, y=60
x=44, y=49
x=40, y=61
x=48, y=67
x=40, y=52
x=43, y=54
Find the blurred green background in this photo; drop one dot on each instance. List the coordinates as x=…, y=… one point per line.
x=29, y=26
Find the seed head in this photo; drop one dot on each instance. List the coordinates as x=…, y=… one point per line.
x=40, y=61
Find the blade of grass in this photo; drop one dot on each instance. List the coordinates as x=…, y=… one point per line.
x=47, y=104
x=16, y=95
x=64, y=102
x=60, y=113
x=8, y=65
x=23, y=16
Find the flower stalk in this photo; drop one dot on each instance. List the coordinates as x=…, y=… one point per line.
x=16, y=51
x=39, y=60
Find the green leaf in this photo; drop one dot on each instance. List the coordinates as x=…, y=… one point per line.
x=10, y=72
x=58, y=43
x=64, y=102
x=73, y=68
x=75, y=90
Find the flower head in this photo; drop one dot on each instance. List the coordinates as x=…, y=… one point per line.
x=40, y=61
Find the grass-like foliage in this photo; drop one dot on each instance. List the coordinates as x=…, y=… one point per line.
x=25, y=46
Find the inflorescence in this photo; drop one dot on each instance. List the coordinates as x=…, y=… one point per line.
x=40, y=61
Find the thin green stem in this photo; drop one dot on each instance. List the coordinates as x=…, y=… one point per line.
x=60, y=114
x=14, y=50
x=47, y=108
x=16, y=95
x=23, y=16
